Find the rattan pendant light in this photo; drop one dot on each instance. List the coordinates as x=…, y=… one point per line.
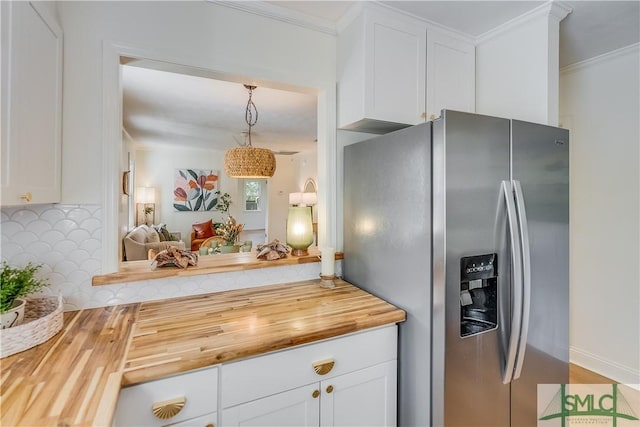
x=247, y=161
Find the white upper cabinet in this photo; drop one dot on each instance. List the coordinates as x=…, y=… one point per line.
x=381, y=71
x=31, y=104
x=395, y=71
x=451, y=70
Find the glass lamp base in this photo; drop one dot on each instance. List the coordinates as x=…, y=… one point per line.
x=299, y=252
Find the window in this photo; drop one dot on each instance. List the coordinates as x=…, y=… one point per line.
x=252, y=193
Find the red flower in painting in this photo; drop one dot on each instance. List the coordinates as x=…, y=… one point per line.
x=181, y=195
x=195, y=190
x=210, y=182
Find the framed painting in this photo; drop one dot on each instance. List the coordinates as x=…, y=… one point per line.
x=195, y=190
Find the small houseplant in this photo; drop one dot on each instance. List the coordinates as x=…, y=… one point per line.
x=15, y=284
x=229, y=231
x=223, y=203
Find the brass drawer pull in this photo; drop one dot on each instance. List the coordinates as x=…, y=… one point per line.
x=169, y=408
x=315, y=394
x=323, y=367
x=210, y=425
x=26, y=197
x=329, y=389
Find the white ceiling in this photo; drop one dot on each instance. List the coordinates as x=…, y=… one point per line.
x=188, y=107
x=163, y=107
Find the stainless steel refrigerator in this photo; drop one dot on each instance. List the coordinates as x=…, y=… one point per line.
x=464, y=223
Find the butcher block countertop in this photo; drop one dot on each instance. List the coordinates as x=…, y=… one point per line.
x=75, y=378
x=132, y=271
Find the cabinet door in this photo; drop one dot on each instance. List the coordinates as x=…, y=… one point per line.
x=362, y=398
x=31, y=104
x=209, y=420
x=381, y=60
x=450, y=73
x=299, y=407
x=395, y=48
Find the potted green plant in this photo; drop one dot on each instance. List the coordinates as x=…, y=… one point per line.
x=15, y=284
x=229, y=231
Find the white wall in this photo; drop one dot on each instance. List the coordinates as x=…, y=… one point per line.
x=156, y=168
x=600, y=104
x=517, y=68
x=201, y=34
x=217, y=37
x=281, y=184
x=196, y=34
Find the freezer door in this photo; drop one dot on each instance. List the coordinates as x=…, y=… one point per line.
x=540, y=162
x=470, y=161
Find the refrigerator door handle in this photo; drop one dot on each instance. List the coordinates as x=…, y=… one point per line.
x=526, y=277
x=516, y=284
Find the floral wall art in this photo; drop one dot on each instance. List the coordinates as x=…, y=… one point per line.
x=195, y=190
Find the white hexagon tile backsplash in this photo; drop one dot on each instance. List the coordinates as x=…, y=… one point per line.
x=66, y=239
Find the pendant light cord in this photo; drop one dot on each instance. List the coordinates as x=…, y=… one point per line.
x=250, y=114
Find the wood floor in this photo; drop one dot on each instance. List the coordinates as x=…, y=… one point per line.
x=579, y=375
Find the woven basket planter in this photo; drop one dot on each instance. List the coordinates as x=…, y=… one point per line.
x=42, y=320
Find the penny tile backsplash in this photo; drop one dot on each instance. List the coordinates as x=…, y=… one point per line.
x=66, y=239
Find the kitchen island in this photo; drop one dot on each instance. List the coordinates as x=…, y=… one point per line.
x=76, y=377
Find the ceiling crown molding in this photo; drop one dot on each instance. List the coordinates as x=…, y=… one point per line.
x=452, y=31
x=607, y=56
x=553, y=9
x=282, y=14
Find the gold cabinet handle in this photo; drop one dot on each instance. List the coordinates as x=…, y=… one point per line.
x=315, y=394
x=26, y=197
x=329, y=389
x=323, y=367
x=210, y=425
x=168, y=408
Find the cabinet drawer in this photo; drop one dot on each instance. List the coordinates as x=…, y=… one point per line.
x=199, y=388
x=262, y=376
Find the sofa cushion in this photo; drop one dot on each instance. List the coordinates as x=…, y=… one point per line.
x=138, y=234
x=203, y=230
x=163, y=232
x=152, y=236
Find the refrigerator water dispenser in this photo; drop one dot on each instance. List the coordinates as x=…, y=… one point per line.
x=478, y=294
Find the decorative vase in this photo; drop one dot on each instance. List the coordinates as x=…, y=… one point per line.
x=13, y=316
x=229, y=248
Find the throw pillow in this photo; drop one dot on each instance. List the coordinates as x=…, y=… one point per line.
x=164, y=234
x=152, y=236
x=203, y=230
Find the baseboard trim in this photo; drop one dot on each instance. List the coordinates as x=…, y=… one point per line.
x=610, y=369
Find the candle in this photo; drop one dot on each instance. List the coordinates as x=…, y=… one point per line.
x=328, y=261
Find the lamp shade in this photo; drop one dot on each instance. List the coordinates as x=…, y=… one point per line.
x=146, y=194
x=295, y=198
x=299, y=229
x=309, y=199
x=249, y=162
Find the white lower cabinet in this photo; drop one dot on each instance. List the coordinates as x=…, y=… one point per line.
x=182, y=400
x=348, y=381
x=295, y=408
x=209, y=420
x=363, y=398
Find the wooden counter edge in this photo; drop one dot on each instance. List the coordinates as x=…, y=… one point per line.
x=135, y=271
